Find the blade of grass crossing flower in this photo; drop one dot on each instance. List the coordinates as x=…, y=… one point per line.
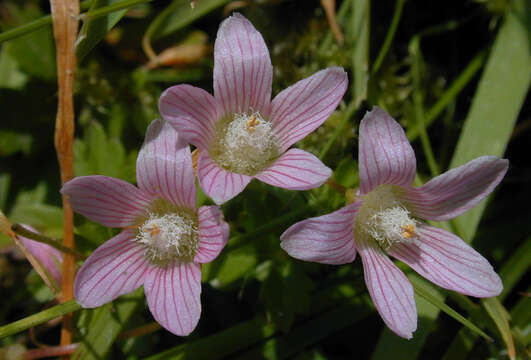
x=501, y=318
x=93, y=30
x=497, y=102
x=419, y=290
x=390, y=346
x=105, y=324
x=39, y=318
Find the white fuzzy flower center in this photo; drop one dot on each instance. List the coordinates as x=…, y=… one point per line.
x=384, y=219
x=167, y=237
x=245, y=145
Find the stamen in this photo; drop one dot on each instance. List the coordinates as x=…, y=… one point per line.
x=168, y=237
x=246, y=144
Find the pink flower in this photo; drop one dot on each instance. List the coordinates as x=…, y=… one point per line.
x=165, y=238
x=48, y=256
x=386, y=220
x=241, y=133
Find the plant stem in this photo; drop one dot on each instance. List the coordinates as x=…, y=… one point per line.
x=389, y=37
x=22, y=231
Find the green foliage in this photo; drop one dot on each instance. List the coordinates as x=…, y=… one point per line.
x=419, y=61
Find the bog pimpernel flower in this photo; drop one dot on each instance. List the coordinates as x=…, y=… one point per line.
x=165, y=238
x=385, y=219
x=240, y=132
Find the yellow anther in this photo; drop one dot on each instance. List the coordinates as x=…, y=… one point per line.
x=409, y=231
x=153, y=230
x=252, y=123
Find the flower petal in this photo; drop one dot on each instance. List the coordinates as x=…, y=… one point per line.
x=164, y=165
x=217, y=183
x=192, y=111
x=174, y=296
x=106, y=200
x=326, y=239
x=117, y=267
x=213, y=234
x=296, y=170
x=303, y=107
x=390, y=291
x=456, y=191
x=385, y=155
x=49, y=257
x=242, y=68
x=446, y=260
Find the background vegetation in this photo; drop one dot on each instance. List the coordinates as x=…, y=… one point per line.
x=454, y=73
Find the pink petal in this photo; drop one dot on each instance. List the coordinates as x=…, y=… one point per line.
x=449, y=262
x=108, y=201
x=48, y=256
x=164, y=165
x=327, y=239
x=390, y=291
x=115, y=268
x=213, y=233
x=242, y=67
x=173, y=295
x=192, y=111
x=456, y=191
x=385, y=155
x=217, y=183
x=296, y=170
x=303, y=107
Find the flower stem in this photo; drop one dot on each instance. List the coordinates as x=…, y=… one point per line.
x=22, y=231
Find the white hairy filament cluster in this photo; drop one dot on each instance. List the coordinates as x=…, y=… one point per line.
x=168, y=237
x=246, y=144
x=384, y=219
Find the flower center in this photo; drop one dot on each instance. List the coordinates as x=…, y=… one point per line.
x=246, y=144
x=167, y=237
x=384, y=219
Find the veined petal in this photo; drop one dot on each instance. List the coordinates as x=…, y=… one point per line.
x=456, y=191
x=164, y=165
x=390, y=291
x=296, y=170
x=242, y=68
x=217, y=183
x=303, y=107
x=49, y=257
x=385, y=155
x=213, y=233
x=173, y=295
x=446, y=260
x=106, y=200
x=327, y=239
x=117, y=267
x=192, y=111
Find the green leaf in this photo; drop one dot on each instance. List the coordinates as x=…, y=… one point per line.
x=179, y=14
x=98, y=154
x=39, y=318
x=422, y=292
x=346, y=172
x=34, y=52
x=5, y=179
x=232, y=265
x=103, y=325
x=10, y=76
x=497, y=102
x=12, y=142
x=515, y=268
x=501, y=318
x=94, y=30
x=358, y=34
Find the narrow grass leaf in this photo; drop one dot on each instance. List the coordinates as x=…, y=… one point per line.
x=501, y=318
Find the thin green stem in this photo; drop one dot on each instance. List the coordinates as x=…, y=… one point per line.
x=39, y=318
x=418, y=105
x=451, y=93
x=22, y=231
x=47, y=20
x=339, y=129
x=389, y=37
